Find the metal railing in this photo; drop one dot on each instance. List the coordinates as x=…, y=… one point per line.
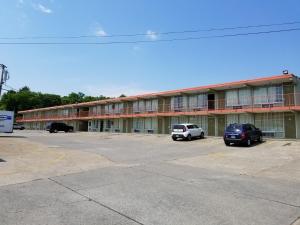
x=233, y=105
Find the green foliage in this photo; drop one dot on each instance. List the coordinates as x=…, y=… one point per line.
x=25, y=99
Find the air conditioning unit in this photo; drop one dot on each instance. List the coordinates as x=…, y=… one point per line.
x=267, y=105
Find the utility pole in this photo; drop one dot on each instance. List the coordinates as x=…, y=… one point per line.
x=3, y=79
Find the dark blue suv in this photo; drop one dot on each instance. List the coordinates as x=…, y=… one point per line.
x=242, y=134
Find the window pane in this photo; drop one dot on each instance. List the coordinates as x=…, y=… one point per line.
x=232, y=98
x=260, y=95
x=245, y=96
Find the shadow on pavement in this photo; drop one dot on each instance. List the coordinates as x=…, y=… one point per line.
x=7, y=136
x=245, y=146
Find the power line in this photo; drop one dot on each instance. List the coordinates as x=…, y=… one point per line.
x=156, y=33
x=151, y=41
x=10, y=87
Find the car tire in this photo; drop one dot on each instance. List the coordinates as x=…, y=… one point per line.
x=174, y=138
x=70, y=130
x=227, y=143
x=202, y=135
x=249, y=142
x=260, y=139
x=189, y=137
x=55, y=130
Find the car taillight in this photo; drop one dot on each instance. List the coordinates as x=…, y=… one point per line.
x=243, y=135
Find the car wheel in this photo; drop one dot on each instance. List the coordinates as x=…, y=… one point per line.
x=70, y=130
x=174, y=138
x=227, y=143
x=189, y=137
x=55, y=131
x=201, y=135
x=248, y=143
x=260, y=139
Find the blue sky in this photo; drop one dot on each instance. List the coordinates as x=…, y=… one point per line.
x=139, y=68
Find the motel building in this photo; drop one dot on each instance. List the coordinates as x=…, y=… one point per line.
x=270, y=103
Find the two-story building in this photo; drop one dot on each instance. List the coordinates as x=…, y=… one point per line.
x=271, y=103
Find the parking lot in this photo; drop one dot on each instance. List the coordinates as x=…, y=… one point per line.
x=100, y=178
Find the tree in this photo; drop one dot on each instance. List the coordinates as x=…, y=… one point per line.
x=25, y=99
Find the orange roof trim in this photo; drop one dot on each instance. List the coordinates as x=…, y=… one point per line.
x=171, y=92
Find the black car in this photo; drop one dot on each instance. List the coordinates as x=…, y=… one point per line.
x=56, y=127
x=242, y=134
x=18, y=126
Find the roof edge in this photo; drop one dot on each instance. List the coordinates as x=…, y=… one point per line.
x=162, y=93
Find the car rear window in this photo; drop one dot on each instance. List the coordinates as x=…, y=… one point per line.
x=181, y=127
x=234, y=127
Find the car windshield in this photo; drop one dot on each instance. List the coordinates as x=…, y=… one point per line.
x=178, y=127
x=234, y=127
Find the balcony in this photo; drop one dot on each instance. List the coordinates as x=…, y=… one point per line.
x=286, y=102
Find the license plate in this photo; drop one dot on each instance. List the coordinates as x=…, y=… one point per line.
x=177, y=135
x=233, y=137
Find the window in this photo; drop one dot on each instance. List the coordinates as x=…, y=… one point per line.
x=149, y=124
x=198, y=101
x=238, y=97
x=179, y=127
x=109, y=124
x=152, y=105
x=138, y=123
x=244, y=96
x=275, y=94
x=106, y=109
x=260, y=95
x=279, y=94
x=239, y=118
x=232, y=98
x=178, y=102
x=270, y=123
x=234, y=127
x=272, y=94
x=138, y=106
x=117, y=123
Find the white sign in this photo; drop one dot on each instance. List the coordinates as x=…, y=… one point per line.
x=6, y=121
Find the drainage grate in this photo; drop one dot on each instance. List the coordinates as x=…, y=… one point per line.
x=2, y=160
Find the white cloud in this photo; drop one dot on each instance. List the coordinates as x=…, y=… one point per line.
x=100, y=32
x=152, y=35
x=43, y=8
x=115, y=90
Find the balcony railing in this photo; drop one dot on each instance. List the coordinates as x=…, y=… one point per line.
x=222, y=106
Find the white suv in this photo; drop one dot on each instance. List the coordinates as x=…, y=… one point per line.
x=187, y=131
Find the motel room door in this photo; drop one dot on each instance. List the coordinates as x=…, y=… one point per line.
x=159, y=125
x=289, y=125
x=221, y=125
x=211, y=126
